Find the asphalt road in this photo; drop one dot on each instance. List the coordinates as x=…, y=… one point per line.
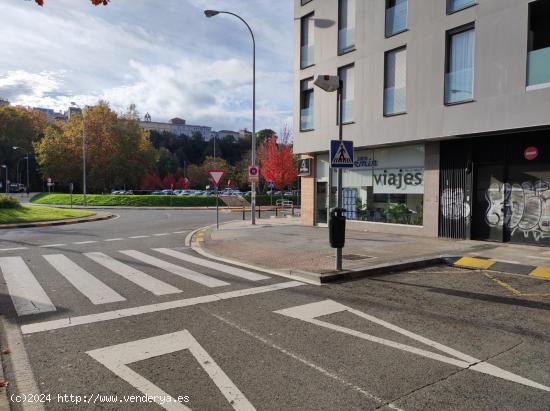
x=111, y=312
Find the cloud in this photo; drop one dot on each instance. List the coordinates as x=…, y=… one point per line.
x=170, y=61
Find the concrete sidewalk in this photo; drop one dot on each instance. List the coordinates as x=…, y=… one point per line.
x=285, y=246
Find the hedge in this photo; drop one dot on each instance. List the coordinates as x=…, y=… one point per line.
x=126, y=200
x=9, y=202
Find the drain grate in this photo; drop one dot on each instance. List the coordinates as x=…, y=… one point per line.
x=355, y=257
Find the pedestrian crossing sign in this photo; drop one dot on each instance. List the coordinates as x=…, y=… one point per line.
x=341, y=154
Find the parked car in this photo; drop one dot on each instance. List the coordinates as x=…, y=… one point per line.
x=167, y=192
x=157, y=193
x=16, y=188
x=288, y=194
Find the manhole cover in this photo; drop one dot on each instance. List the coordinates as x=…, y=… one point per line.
x=355, y=257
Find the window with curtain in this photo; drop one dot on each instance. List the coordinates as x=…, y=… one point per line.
x=347, y=76
x=307, y=49
x=459, y=76
x=396, y=16
x=306, y=104
x=456, y=5
x=395, y=82
x=346, y=26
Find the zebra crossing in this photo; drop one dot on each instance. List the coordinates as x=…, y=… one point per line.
x=29, y=297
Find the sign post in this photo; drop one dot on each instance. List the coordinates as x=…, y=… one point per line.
x=216, y=176
x=271, y=186
x=50, y=184
x=253, y=177
x=71, y=188
x=341, y=156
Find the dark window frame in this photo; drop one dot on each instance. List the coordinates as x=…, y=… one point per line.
x=398, y=113
x=386, y=35
x=302, y=101
x=339, y=70
x=309, y=15
x=448, y=35
x=467, y=6
x=351, y=48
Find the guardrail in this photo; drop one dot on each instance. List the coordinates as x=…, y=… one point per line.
x=284, y=209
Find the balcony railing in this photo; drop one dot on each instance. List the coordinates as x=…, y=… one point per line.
x=347, y=112
x=306, y=55
x=396, y=18
x=346, y=40
x=395, y=100
x=538, y=67
x=455, y=5
x=459, y=85
x=306, y=118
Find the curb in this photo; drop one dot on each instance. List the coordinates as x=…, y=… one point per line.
x=482, y=263
x=195, y=240
x=57, y=223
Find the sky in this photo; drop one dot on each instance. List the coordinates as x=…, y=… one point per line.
x=163, y=56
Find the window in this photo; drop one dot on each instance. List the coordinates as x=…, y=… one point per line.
x=346, y=26
x=306, y=42
x=347, y=76
x=306, y=104
x=305, y=2
x=538, y=61
x=386, y=185
x=396, y=16
x=395, y=82
x=459, y=76
x=457, y=5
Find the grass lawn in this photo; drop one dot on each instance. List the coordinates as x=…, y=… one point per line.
x=32, y=214
x=126, y=200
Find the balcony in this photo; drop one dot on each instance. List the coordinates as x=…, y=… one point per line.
x=346, y=40
x=459, y=86
x=306, y=118
x=395, y=100
x=396, y=18
x=306, y=55
x=538, y=67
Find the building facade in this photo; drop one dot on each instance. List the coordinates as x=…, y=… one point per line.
x=448, y=105
x=177, y=126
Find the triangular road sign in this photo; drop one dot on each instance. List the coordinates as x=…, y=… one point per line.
x=216, y=176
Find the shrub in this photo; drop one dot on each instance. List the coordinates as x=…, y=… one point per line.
x=9, y=202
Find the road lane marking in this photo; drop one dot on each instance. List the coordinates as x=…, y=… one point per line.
x=93, y=289
x=161, y=234
x=14, y=249
x=117, y=357
x=140, y=236
x=152, y=308
x=26, y=293
x=181, y=232
x=310, y=312
x=113, y=239
x=538, y=258
x=146, y=281
x=86, y=242
x=53, y=245
x=507, y=286
x=310, y=364
x=237, y=272
x=175, y=269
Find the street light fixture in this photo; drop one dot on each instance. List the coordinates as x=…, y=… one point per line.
x=331, y=84
x=212, y=13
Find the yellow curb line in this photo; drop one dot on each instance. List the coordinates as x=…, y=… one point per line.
x=475, y=263
x=541, y=272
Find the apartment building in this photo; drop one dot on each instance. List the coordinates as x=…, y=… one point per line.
x=448, y=105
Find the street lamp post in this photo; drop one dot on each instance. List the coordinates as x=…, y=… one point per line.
x=83, y=162
x=6, y=167
x=212, y=13
x=331, y=84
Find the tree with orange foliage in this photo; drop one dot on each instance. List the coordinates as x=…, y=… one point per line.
x=169, y=181
x=277, y=162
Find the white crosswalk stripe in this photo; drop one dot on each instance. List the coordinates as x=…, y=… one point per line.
x=26, y=293
x=237, y=272
x=93, y=289
x=151, y=284
x=175, y=269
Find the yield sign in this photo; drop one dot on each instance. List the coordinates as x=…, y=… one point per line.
x=216, y=176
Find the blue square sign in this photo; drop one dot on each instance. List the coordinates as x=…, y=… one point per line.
x=341, y=154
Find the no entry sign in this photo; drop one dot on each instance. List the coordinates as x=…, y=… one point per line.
x=531, y=153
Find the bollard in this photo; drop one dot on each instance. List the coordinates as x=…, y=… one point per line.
x=259, y=212
x=243, y=214
x=293, y=210
x=276, y=211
